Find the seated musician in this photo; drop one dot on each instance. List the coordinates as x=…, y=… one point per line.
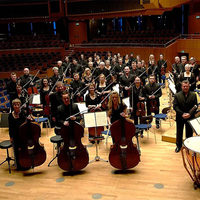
x=153, y=102
x=65, y=111
x=55, y=101
x=102, y=89
x=15, y=119
x=136, y=96
x=77, y=88
x=92, y=102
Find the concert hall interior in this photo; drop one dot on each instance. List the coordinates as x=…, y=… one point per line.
x=100, y=99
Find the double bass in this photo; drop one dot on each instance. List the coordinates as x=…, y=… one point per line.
x=31, y=153
x=123, y=154
x=73, y=154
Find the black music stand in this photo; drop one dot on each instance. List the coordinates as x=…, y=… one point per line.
x=94, y=120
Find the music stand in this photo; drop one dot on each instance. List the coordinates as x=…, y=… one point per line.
x=94, y=120
x=195, y=124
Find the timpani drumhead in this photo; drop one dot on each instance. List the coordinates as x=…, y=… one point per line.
x=193, y=144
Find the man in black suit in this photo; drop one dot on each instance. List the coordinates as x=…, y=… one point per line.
x=185, y=104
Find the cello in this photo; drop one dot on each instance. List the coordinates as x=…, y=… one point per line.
x=73, y=154
x=31, y=153
x=123, y=154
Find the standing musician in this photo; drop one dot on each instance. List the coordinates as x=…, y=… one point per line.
x=102, y=89
x=76, y=88
x=11, y=87
x=60, y=67
x=116, y=108
x=126, y=60
x=83, y=61
x=56, y=77
x=183, y=63
x=184, y=105
x=187, y=75
x=97, y=60
x=56, y=100
x=44, y=96
x=153, y=69
x=134, y=70
x=76, y=68
x=26, y=79
x=66, y=64
x=162, y=66
x=153, y=102
x=92, y=102
x=87, y=76
x=15, y=119
x=136, y=96
x=176, y=69
x=194, y=67
x=102, y=70
x=141, y=70
x=125, y=81
x=65, y=110
x=119, y=67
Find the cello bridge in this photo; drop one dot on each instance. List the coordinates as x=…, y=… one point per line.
x=123, y=146
x=72, y=148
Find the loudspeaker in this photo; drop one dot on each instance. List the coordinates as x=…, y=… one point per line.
x=4, y=120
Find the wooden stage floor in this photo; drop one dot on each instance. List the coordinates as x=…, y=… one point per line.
x=159, y=175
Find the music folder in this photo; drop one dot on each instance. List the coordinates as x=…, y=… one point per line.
x=195, y=124
x=95, y=119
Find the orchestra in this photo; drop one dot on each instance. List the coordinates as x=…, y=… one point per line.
x=93, y=83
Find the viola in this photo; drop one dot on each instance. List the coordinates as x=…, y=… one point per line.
x=31, y=153
x=140, y=109
x=123, y=154
x=153, y=106
x=47, y=110
x=73, y=155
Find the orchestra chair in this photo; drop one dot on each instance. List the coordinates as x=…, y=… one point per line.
x=163, y=115
x=6, y=144
x=43, y=120
x=145, y=125
x=107, y=133
x=56, y=140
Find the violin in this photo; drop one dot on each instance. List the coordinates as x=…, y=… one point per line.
x=140, y=109
x=153, y=106
x=31, y=153
x=32, y=90
x=123, y=154
x=73, y=155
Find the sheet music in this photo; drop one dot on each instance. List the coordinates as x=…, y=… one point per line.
x=172, y=87
x=101, y=118
x=95, y=119
x=126, y=101
x=82, y=107
x=36, y=99
x=89, y=120
x=195, y=124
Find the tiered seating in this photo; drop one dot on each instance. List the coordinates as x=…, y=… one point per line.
x=16, y=62
x=31, y=41
x=138, y=37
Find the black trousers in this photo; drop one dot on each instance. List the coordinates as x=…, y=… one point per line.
x=156, y=112
x=179, y=131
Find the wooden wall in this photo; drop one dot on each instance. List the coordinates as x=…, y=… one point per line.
x=77, y=32
x=194, y=23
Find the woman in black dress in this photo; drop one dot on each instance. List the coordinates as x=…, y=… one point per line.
x=15, y=119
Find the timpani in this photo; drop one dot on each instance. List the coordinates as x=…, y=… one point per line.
x=191, y=158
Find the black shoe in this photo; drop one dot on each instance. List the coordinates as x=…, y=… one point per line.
x=157, y=126
x=177, y=149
